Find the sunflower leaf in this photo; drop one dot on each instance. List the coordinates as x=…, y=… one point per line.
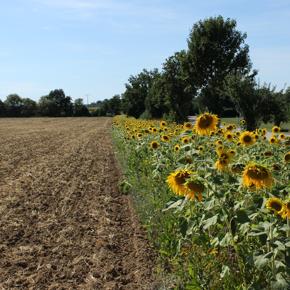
x=210, y=222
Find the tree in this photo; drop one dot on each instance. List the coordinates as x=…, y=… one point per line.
x=56, y=104
x=248, y=99
x=79, y=109
x=275, y=107
x=215, y=50
x=13, y=105
x=2, y=109
x=178, y=93
x=29, y=108
x=133, y=99
x=154, y=102
x=115, y=105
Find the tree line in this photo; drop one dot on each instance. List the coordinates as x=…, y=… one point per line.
x=55, y=104
x=213, y=74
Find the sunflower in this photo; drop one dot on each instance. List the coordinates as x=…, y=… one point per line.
x=264, y=131
x=287, y=157
x=206, y=123
x=163, y=124
x=177, y=179
x=275, y=129
x=257, y=176
x=176, y=147
x=282, y=136
x=237, y=168
x=224, y=155
x=165, y=138
x=268, y=153
x=219, y=149
x=218, y=142
x=221, y=164
x=139, y=135
x=194, y=187
x=154, y=144
x=230, y=127
x=242, y=122
x=273, y=140
x=286, y=209
x=200, y=149
x=187, y=126
x=232, y=152
x=185, y=139
x=247, y=138
x=276, y=205
x=276, y=167
x=229, y=136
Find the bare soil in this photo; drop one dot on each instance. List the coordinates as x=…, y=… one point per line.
x=63, y=222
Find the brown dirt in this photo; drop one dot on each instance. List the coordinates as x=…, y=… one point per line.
x=63, y=222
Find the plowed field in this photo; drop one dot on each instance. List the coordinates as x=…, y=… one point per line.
x=63, y=222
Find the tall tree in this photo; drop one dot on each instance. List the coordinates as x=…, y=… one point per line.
x=56, y=104
x=79, y=109
x=13, y=105
x=178, y=92
x=2, y=109
x=215, y=49
x=137, y=89
x=249, y=101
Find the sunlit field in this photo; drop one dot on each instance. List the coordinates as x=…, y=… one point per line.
x=215, y=200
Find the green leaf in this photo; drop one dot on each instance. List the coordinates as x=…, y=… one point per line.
x=210, y=222
x=225, y=271
x=242, y=216
x=280, y=282
x=262, y=260
x=226, y=241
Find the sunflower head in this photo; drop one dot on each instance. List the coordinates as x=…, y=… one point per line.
x=206, y=123
x=165, y=138
x=275, y=129
x=185, y=140
x=221, y=164
x=273, y=140
x=163, y=124
x=177, y=179
x=276, y=205
x=187, y=126
x=268, y=153
x=257, y=176
x=154, y=144
x=176, y=147
x=218, y=142
x=230, y=127
x=264, y=131
x=282, y=136
x=247, y=138
x=287, y=157
x=200, y=149
x=194, y=189
x=276, y=167
x=229, y=136
x=237, y=168
x=286, y=209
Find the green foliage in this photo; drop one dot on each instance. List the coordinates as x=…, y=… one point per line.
x=56, y=104
x=137, y=91
x=79, y=109
x=215, y=49
x=228, y=240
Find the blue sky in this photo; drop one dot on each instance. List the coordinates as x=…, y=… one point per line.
x=91, y=47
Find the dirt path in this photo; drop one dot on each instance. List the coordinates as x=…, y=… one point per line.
x=63, y=223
